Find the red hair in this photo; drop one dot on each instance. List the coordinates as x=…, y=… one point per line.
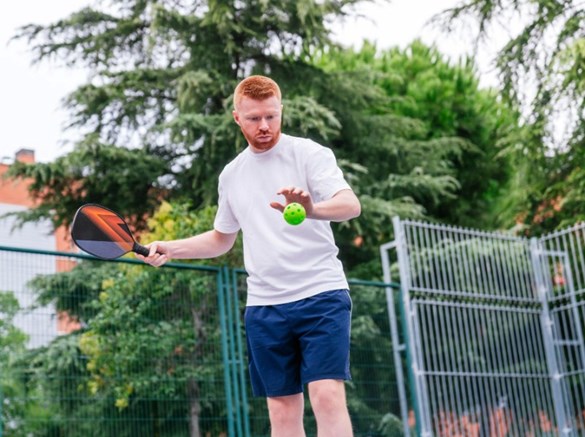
x=257, y=88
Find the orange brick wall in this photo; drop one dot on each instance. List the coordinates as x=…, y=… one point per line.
x=15, y=192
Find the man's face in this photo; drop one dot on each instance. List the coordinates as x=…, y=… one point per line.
x=260, y=122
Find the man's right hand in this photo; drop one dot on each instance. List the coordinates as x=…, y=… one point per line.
x=158, y=254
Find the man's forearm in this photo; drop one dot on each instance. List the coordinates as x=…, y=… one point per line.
x=210, y=244
x=342, y=206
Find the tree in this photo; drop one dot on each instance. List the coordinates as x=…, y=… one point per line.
x=541, y=70
x=153, y=341
x=12, y=347
x=159, y=127
x=150, y=347
x=156, y=112
x=430, y=145
x=466, y=128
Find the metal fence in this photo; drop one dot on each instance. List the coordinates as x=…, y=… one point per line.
x=93, y=348
x=494, y=330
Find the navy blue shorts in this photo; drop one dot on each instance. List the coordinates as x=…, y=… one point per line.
x=292, y=344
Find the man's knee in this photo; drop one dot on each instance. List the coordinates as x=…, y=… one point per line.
x=286, y=409
x=327, y=396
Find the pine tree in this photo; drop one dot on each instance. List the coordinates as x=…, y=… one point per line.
x=541, y=69
x=156, y=112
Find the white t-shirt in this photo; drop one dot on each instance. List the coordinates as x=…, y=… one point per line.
x=285, y=263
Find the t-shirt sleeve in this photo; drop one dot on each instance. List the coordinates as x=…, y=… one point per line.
x=325, y=177
x=225, y=221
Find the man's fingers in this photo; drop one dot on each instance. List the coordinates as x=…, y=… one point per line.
x=156, y=256
x=278, y=206
x=285, y=191
x=152, y=249
x=157, y=260
x=162, y=259
x=293, y=193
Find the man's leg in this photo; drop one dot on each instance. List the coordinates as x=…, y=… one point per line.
x=286, y=415
x=330, y=408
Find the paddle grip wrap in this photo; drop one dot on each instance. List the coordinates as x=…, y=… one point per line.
x=140, y=249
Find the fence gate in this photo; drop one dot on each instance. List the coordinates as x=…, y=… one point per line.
x=493, y=330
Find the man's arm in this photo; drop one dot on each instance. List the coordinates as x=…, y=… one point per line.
x=210, y=244
x=344, y=205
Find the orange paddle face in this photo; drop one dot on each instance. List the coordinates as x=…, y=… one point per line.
x=101, y=232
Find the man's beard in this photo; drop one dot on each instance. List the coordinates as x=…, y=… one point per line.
x=264, y=145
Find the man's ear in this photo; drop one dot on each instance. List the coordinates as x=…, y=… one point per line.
x=236, y=117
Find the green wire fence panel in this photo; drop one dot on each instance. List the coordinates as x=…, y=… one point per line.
x=94, y=348
x=371, y=394
x=494, y=330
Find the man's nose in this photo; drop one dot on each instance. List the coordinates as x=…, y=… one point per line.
x=263, y=124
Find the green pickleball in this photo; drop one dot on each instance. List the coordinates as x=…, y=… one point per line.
x=294, y=213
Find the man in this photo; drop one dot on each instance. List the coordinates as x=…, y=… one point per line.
x=298, y=307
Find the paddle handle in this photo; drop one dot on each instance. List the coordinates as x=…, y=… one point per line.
x=140, y=249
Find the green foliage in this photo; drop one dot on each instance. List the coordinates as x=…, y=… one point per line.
x=414, y=134
x=176, y=221
x=11, y=338
x=57, y=379
x=124, y=179
x=391, y=426
x=12, y=347
x=541, y=70
x=166, y=350
x=429, y=141
x=34, y=375
x=373, y=372
x=449, y=161
x=75, y=290
x=151, y=341
x=156, y=113
x=52, y=372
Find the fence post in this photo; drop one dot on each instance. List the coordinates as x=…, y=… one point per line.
x=416, y=368
x=397, y=347
x=240, y=362
x=221, y=303
x=1, y=411
x=546, y=323
x=232, y=333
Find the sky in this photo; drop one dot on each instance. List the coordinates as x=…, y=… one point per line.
x=31, y=96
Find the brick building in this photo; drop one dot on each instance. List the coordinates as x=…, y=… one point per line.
x=41, y=324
